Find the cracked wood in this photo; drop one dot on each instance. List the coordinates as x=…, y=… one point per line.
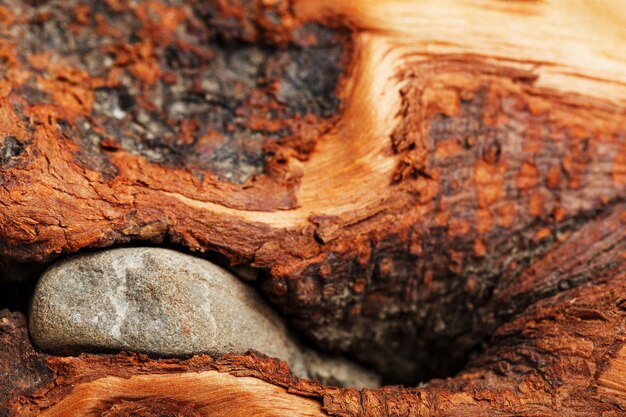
x=441, y=176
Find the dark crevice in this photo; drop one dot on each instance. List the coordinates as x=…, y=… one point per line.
x=438, y=355
x=18, y=281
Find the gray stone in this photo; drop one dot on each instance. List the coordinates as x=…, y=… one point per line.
x=166, y=304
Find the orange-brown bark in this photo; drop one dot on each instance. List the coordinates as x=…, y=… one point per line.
x=419, y=183
x=127, y=384
x=538, y=364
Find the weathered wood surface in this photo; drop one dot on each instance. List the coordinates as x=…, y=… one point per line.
x=421, y=182
x=558, y=358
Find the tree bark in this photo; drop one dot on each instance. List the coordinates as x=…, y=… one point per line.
x=436, y=188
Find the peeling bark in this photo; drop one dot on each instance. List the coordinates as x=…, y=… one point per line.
x=417, y=197
x=537, y=364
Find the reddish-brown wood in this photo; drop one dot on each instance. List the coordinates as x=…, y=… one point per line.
x=560, y=356
x=420, y=183
x=127, y=384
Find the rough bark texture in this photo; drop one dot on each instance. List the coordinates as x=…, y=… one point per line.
x=415, y=197
x=557, y=358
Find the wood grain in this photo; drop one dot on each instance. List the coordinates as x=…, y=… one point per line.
x=435, y=188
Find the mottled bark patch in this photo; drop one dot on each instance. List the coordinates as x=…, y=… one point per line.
x=177, y=84
x=21, y=368
x=10, y=150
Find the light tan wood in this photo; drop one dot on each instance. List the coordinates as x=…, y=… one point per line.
x=208, y=393
x=612, y=382
x=571, y=45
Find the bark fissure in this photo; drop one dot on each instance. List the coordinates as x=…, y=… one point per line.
x=405, y=189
